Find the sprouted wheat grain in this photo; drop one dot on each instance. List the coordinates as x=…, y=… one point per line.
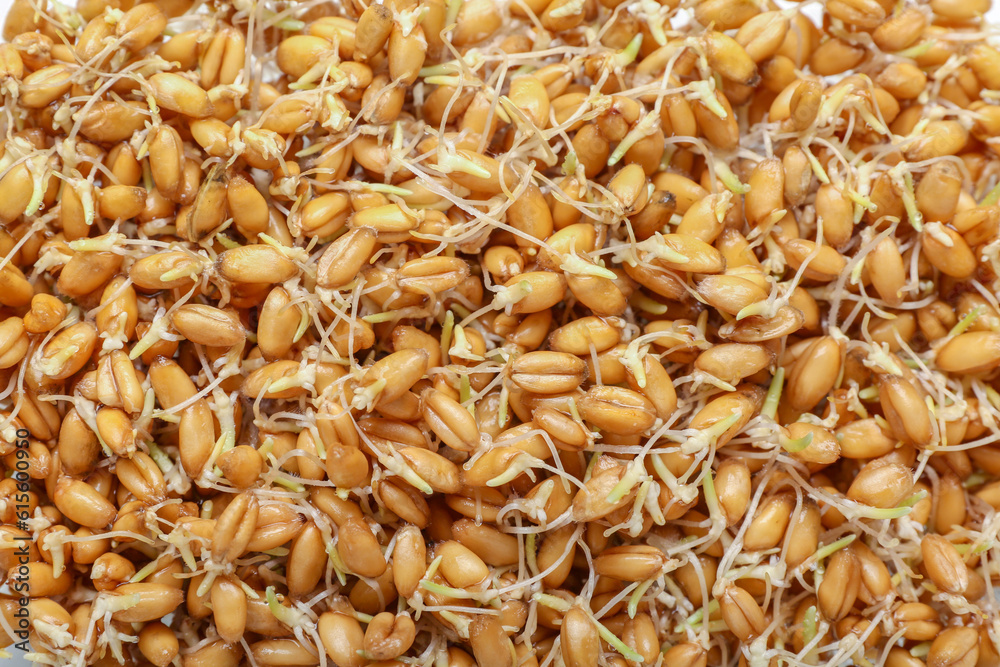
x=462, y=332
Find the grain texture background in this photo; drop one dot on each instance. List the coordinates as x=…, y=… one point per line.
x=18, y=660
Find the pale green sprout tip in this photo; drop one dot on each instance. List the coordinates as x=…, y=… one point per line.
x=453, y=162
x=577, y=265
x=809, y=625
x=705, y=92
x=384, y=188
x=569, y=164
x=645, y=127
x=828, y=550
x=868, y=393
x=379, y=318
x=861, y=200
x=643, y=302
x=530, y=553
x=437, y=70
x=448, y=591
x=453, y=8
x=711, y=497
x=627, y=56
x=628, y=481
x=695, y=618
x=770, y=407
x=502, y=410
x=290, y=616
x=729, y=179
x=913, y=213
x=290, y=24
x=902, y=510
x=796, y=445
x=523, y=462
x=290, y=484
x=149, y=569
x=552, y=602
x=916, y=51
x=617, y=643
x=339, y=567
x=446, y=330
x=708, y=435
x=816, y=166
x=160, y=457
x=636, y=597
x=443, y=80
x=464, y=389
x=966, y=322
x=756, y=308
x=226, y=242
x=992, y=197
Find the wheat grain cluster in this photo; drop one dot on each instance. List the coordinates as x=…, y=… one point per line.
x=514, y=333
